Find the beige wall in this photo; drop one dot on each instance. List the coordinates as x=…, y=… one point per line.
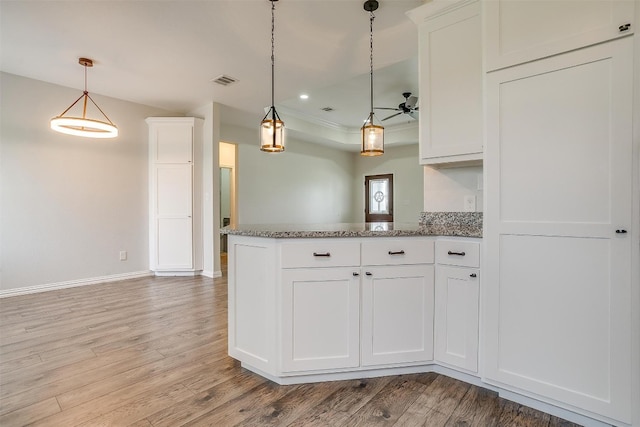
x=307, y=183
x=69, y=204
x=446, y=188
x=402, y=162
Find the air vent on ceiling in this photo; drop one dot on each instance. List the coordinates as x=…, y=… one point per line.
x=327, y=109
x=224, y=80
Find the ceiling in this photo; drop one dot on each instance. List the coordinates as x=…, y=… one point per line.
x=165, y=54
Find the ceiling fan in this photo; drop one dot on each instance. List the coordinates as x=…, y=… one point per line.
x=407, y=107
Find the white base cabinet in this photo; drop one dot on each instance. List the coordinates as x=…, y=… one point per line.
x=320, y=319
x=305, y=307
x=397, y=314
x=457, y=299
x=456, y=317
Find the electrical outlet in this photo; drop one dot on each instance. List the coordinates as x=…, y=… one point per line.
x=469, y=203
x=123, y=255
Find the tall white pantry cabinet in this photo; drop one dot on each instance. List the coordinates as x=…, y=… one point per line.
x=559, y=301
x=560, y=292
x=175, y=175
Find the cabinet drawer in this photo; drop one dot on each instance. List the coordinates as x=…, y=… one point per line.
x=453, y=252
x=397, y=251
x=320, y=254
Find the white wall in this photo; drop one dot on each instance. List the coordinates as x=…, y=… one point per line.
x=210, y=230
x=446, y=188
x=305, y=184
x=69, y=204
x=402, y=162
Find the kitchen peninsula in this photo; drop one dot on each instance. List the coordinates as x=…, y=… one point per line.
x=334, y=301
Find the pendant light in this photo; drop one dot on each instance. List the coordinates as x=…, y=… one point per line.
x=372, y=134
x=82, y=126
x=272, y=128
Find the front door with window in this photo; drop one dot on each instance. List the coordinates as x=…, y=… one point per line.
x=378, y=191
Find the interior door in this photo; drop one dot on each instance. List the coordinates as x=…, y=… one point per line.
x=378, y=195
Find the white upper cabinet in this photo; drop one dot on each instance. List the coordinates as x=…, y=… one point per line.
x=173, y=142
x=450, y=53
x=518, y=31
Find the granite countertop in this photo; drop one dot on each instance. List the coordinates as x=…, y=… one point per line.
x=462, y=224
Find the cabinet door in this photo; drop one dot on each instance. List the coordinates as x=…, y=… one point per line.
x=451, y=87
x=175, y=243
x=397, y=314
x=526, y=30
x=558, y=185
x=173, y=142
x=320, y=319
x=456, y=317
x=172, y=205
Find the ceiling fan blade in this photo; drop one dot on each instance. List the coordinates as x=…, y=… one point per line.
x=414, y=115
x=393, y=115
x=385, y=108
x=411, y=102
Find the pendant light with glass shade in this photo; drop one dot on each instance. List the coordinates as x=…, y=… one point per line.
x=372, y=134
x=272, y=128
x=82, y=126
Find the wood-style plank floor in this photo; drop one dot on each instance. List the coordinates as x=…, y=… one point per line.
x=153, y=352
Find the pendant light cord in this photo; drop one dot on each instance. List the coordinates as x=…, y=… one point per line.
x=371, y=18
x=273, y=60
x=85, y=95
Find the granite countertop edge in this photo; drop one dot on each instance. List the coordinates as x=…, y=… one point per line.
x=460, y=224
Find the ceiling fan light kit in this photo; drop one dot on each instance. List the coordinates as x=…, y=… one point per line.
x=272, y=127
x=82, y=126
x=372, y=134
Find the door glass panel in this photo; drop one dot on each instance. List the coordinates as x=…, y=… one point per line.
x=379, y=196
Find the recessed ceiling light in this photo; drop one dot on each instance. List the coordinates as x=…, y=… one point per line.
x=304, y=96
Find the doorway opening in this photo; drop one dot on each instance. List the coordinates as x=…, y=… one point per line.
x=228, y=212
x=378, y=196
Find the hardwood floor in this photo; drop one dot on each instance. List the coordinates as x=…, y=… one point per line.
x=153, y=352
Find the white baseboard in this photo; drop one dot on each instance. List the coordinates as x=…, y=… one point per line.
x=211, y=274
x=177, y=273
x=73, y=283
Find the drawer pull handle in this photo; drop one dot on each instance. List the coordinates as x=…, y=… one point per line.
x=355, y=274
x=621, y=231
x=396, y=253
x=368, y=273
x=456, y=253
x=326, y=254
x=624, y=27
x=473, y=275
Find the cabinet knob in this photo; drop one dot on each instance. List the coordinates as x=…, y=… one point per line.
x=368, y=273
x=621, y=231
x=624, y=27
x=326, y=254
x=355, y=274
x=400, y=252
x=473, y=275
x=456, y=253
